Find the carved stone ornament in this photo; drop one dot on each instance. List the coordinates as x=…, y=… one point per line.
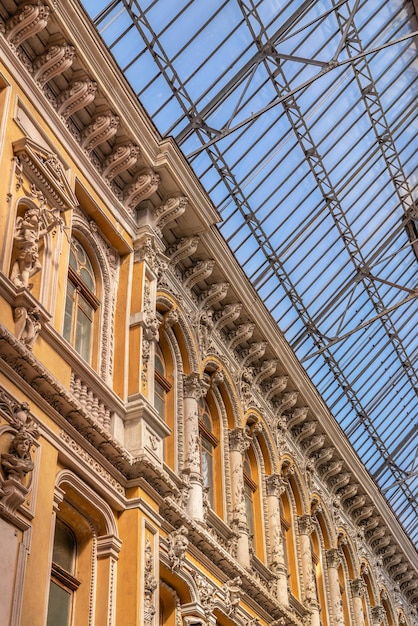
x=306, y=524
x=16, y=441
x=142, y=187
x=239, y=441
x=214, y=294
x=183, y=248
x=150, y=585
x=122, y=158
x=206, y=593
x=274, y=387
x=358, y=587
x=194, y=386
x=333, y=557
x=228, y=314
x=54, y=61
x=101, y=129
x=45, y=172
x=30, y=228
x=378, y=615
x=275, y=485
x=172, y=209
x=232, y=591
x=79, y=95
x=26, y=22
x=200, y=271
x=171, y=318
x=27, y=325
x=177, y=546
x=242, y=334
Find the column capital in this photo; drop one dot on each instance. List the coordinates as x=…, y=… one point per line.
x=333, y=557
x=358, y=587
x=275, y=485
x=239, y=441
x=306, y=524
x=193, y=386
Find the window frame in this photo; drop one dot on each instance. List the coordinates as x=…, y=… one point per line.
x=206, y=435
x=81, y=291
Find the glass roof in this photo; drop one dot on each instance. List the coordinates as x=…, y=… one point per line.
x=300, y=120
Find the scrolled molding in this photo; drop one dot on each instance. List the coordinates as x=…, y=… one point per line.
x=142, y=187
x=102, y=128
x=29, y=20
x=54, y=61
x=79, y=94
x=122, y=158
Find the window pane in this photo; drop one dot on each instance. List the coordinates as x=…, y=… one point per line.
x=83, y=335
x=159, y=399
x=249, y=508
x=64, y=547
x=59, y=606
x=207, y=468
x=69, y=309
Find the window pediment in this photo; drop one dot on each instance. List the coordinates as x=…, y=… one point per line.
x=44, y=170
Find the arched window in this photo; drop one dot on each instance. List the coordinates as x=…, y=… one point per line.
x=208, y=442
x=63, y=582
x=250, y=488
x=161, y=384
x=81, y=301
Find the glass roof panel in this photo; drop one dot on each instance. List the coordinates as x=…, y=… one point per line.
x=319, y=142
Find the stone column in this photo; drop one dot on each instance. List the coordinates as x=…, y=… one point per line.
x=275, y=487
x=193, y=389
x=358, y=588
x=108, y=548
x=239, y=442
x=306, y=526
x=143, y=324
x=333, y=557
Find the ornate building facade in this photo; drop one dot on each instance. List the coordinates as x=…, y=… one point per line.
x=165, y=459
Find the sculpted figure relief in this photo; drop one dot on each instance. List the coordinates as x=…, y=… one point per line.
x=29, y=230
x=17, y=463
